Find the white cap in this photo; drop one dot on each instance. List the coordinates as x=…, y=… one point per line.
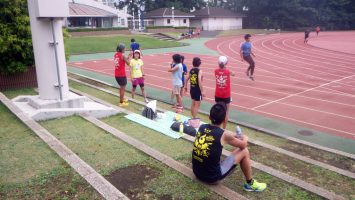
x=222, y=60
x=137, y=51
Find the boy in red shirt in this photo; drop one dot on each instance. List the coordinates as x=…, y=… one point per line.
x=120, y=61
x=223, y=89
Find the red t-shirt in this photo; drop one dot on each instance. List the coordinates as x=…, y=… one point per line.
x=120, y=65
x=223, y=85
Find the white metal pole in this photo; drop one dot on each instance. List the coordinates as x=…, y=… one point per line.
x=172, y=15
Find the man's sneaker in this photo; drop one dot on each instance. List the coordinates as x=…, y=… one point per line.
x=125, y=100
x=251, y=78
x=123, y=104
x=146, y=100
x=254, y=187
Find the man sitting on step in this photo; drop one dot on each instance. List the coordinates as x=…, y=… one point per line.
x=206, y=155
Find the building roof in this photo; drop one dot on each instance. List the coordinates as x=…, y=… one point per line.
x=81, y=10
x=215, y=12
x=167, y=13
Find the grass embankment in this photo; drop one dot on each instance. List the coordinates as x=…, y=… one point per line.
x=107, y=154
x=323, y=156
x=108, y=43
x=181, y=151
x=29, y=168
x=313, y=174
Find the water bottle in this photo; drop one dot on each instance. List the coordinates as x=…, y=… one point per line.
x=238, y=132
x=181, y=128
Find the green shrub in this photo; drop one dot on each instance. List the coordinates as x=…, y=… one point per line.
x=16, y=52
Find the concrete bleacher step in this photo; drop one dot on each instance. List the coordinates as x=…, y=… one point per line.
x=219, y=189
x=162, y=36
x=283, y=176
x=273, y=133
x=259, y=143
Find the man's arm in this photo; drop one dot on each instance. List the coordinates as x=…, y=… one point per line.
x=241, y=52
x=126, y=59
x=200, y=83
x=229, y=138
x=174, y=69
x=186, y=81
x=252, y=53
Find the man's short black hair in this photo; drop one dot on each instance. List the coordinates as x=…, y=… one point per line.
x=133, y=40
x=182, y=58
x=218, y=113
x=196, y=62
x=177, y=58
x=246, y=36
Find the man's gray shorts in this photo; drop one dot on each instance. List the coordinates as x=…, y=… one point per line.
x=227, y=166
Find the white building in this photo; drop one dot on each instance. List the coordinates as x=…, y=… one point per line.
x=213, y=18
x=95, y=14
x=168, y=17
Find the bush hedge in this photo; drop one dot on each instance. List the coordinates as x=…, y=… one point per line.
x=16, y=52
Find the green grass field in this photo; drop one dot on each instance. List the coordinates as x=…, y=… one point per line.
x=108, y=43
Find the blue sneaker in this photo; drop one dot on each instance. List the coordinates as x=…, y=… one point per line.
x=255, y=186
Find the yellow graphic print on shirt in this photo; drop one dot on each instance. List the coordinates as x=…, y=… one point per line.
x=193, y=80
x=202, y=143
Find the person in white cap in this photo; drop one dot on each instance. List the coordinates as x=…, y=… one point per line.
x=223, y=89
x=137, y=74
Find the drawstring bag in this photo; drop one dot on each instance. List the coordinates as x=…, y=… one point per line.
x=149, y=113
x=149, y=110
x=187, y=129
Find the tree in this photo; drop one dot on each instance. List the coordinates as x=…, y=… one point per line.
x=183, y=5
x=16, y=52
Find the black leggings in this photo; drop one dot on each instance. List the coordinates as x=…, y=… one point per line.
x=251, y=62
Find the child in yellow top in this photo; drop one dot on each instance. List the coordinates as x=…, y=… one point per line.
x=137, y=74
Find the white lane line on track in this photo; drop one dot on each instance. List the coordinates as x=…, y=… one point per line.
x=295, y=61
x=258, y=111
x=298, y=51
x=302, y=92
x=331, y=53
x=285, y=76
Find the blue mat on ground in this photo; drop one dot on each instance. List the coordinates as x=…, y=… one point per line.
x=161, y=125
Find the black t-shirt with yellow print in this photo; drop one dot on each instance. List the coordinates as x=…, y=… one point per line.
x=207, y=153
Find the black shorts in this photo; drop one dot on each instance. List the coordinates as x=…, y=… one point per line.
x=196, y=95
x=225, y=100
x=122, y=81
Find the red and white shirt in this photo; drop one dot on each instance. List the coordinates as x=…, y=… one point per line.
x=120, y=65
x=223, y=86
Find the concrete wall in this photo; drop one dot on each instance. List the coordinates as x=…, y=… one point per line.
x=212, y=24
x=178, y=22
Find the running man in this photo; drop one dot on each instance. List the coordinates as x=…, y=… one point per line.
x=245, y=54
x=317, y=30
x=306, y=36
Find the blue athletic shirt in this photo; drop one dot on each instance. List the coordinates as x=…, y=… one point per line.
x=184, y=69
x=246, y=48
x=134, y=46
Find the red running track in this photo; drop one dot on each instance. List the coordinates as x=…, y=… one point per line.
x=302, y=84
